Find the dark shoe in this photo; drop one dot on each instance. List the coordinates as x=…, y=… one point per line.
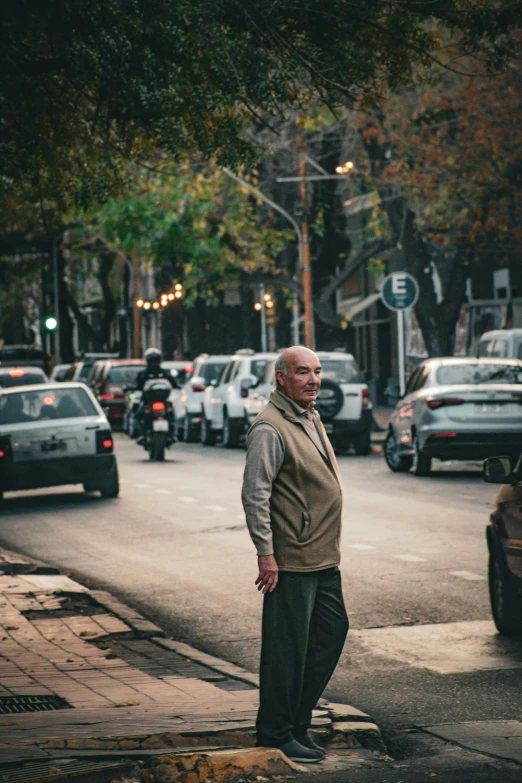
x=307, y=742
x=300, y=754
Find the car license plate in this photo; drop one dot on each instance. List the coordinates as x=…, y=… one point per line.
x=489, y=407
x=160, y=426
x=53, y=445
x=328, y=427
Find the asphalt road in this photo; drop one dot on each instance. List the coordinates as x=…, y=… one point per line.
x=422, y=649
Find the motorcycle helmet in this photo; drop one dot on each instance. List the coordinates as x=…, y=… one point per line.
x=153, y=357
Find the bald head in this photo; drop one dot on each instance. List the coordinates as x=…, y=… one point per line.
x=298, y=374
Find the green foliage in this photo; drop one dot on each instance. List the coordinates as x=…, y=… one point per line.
x=196, y=221
x=83, y=84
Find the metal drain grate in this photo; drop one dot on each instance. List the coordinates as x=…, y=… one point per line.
x=12, y=704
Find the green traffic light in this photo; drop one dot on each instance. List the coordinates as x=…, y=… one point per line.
x=51, y=323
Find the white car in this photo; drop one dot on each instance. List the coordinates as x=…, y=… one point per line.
x=53, y=434
x=343, y=402
x=224, y=402
x=188, y=401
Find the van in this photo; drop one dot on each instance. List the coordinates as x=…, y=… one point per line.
x=502, y=343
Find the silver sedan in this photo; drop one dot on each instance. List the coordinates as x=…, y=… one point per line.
x=55, y=434
x=456, y=409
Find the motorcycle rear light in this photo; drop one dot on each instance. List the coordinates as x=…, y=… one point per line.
x=158, y=406
x=197, y=387
x=440, y=402
x=104, y=442
x=188, y=368
x=365, y=397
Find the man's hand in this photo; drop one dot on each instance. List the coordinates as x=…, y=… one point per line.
x=268, y=573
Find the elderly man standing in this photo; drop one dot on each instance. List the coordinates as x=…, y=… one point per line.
x=293, y=504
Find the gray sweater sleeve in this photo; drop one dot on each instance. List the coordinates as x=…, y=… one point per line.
x=265, y=454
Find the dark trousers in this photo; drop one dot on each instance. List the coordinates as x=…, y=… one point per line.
x=303, y=632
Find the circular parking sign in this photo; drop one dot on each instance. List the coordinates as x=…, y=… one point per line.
x=399, y=291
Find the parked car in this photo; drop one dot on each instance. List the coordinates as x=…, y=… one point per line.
x=21, y=376
x=109, y=379
x=224, y=401
x=343, y=401
x=52, y=434
x=60, y=372
x=80, y=370
x=187, y=404
x=504, y=537
x=501, y=343
x=456, y=409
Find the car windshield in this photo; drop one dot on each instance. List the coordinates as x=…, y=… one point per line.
x=455, y=374
x=341, y=371
x=21, y=378
x=211, y=371
x=52, y=403
x=257, y=367
x=124, y=374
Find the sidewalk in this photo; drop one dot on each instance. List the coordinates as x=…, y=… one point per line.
x=87, y=685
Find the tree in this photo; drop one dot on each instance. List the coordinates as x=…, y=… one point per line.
x=110, y=78
x=447, y=162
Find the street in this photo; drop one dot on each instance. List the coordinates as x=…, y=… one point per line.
x=422, y=649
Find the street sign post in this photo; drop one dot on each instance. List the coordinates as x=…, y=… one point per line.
x=399, y=292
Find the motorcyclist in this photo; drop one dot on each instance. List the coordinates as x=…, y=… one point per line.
x=152, y=371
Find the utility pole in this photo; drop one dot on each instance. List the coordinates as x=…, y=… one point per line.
x=136, y=320
x=56, y=280
x=307, y=271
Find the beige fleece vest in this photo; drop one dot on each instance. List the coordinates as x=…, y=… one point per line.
x=306, y=500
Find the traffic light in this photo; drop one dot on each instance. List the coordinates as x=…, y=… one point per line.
x=50, y=323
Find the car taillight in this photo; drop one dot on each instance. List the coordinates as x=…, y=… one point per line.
x=106, y=396
x=188, y=368
x=158, y=406
x=6, y=450
x=440, y=402
x=365, y=402
x=197, y=387
x=104, y=442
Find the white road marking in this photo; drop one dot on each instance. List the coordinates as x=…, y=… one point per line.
x=410, y=558
x=360, y=546
x=187, y=499
x=124, y=481
x=142, y=486
x=163, y=492
x=468, y=575
x=215, y=508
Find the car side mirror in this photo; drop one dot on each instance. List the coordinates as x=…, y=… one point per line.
x=246, y=384
x=499, y=470
x=393, y=392
x=213, y=382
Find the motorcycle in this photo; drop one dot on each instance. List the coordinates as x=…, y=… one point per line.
x=157, y=418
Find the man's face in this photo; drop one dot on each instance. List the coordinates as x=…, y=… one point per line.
x=303, y=377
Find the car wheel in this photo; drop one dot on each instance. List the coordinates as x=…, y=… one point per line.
x=230, y=433
x=506, y=601
x=189, y=430
x=207, y=436
x=395, y=462
x=111, y=485
x=363, y=444
x=421, y=464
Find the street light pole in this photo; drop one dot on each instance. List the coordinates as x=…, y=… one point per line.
x=307, y=271
x=295, y=226
x=136, y=313
x=57, y=347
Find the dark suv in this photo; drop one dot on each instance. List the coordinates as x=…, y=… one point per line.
x=504, y=535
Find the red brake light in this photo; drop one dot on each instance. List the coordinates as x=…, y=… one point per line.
x=158, y=406
x=445, y=435
x=439, y=402
x=107, y=396
x=188, y=368
x=16, y=373
x=2, y=454
x=107, y=444
x=197, y=387
x=365, y=397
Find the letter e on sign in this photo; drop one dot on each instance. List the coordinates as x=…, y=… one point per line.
x=399, y=291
